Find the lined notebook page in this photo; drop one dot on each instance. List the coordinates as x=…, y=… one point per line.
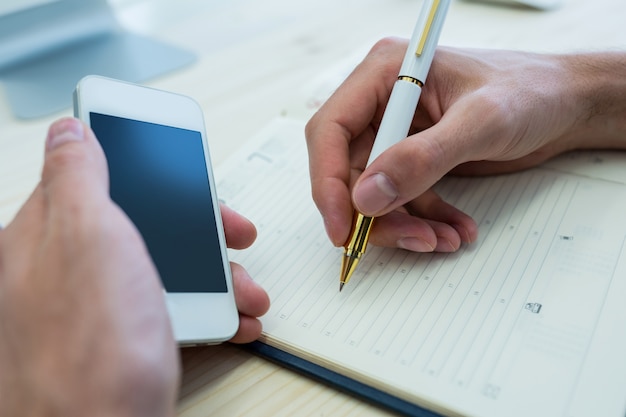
x=528, y=320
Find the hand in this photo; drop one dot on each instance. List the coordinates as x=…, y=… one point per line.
x=252, y=300
x=480, y=112
x=83, y=324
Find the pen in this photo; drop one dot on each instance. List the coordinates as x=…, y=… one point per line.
x=398, y=115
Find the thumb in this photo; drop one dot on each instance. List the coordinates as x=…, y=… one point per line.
x=409, y=168
x=74, y=160
x=399, y=175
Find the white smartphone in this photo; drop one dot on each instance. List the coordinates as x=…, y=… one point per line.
x=160, y=175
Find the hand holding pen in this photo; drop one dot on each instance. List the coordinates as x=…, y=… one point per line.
x=398, y=115
x=344, y=130
x=481, y=112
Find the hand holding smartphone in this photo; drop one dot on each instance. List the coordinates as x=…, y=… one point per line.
x=161, y=176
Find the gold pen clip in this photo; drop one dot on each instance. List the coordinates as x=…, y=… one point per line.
x=427, y=26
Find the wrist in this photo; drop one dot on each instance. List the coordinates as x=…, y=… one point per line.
x=597, y=83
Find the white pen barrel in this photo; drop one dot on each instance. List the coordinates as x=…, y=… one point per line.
x=423, y=44
x=397, y=117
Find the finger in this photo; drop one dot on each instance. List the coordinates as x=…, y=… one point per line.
x=403, y=230
x=74, y=176
x=251, y=298
x=249, y=330
x=328, y=143
x=240, y=232
x=252, y=302
x=74, y=165
x=390, y=229
x=432, y=207
x=352, y=112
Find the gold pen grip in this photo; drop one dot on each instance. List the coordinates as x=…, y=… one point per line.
x=359, y=235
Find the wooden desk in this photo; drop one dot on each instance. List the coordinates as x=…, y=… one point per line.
x=258, y=60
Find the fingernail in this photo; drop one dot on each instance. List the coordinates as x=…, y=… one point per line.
x=463, y=233
x=444, y=245
x=374, y=194
x=63, y=131
x=414, y=244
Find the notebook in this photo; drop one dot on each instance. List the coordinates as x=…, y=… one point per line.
x=528, y=320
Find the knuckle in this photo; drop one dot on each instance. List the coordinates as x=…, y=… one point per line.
x=388, y=45
x=387, y=54
x=310, y=128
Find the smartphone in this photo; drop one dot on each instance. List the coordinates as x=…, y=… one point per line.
x=160, y=175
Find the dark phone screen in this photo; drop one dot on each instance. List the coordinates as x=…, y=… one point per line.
x=158, y=176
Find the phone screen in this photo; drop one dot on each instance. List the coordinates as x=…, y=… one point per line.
x=158, y=176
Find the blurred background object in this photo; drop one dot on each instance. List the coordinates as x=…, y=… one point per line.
x=46, y=46
x=537, y=4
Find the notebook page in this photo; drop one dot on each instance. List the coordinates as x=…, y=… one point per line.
x=505, y=326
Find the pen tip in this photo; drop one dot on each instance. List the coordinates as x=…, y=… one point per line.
x=341, y=286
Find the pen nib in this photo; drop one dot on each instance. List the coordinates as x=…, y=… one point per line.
x=348, y=265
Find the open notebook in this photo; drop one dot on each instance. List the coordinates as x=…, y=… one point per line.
x=529, y=320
